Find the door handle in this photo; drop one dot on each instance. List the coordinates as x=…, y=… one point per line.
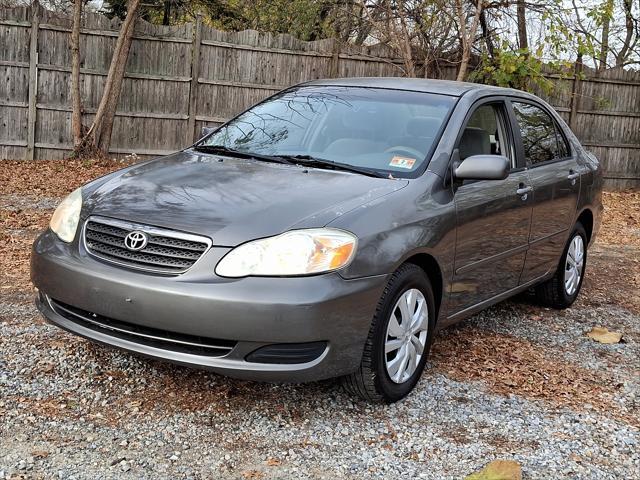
x=573, y=176
x=524, y=190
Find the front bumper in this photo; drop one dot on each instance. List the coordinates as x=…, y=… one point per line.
x=250, y=312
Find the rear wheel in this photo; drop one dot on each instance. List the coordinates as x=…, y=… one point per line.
x=563, y=288
x=399, y=339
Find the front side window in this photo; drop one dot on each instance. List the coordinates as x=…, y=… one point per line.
x=538, y=133
x=390, y=131
x=486, y=134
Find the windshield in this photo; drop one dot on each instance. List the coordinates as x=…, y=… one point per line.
x=383, y=130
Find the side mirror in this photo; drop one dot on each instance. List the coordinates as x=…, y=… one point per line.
x=483, y=167
x=206, y=131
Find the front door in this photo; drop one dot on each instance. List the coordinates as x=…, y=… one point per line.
x=493, y=216
x=555, y=177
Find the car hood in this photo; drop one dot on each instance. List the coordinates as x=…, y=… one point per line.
x=232, y=200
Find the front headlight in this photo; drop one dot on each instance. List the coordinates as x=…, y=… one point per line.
x=64, y=221
x=298, y=252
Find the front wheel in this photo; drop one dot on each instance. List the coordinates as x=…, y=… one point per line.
x=399, y=339
x=563, y=288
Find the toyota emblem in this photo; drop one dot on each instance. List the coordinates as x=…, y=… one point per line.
x=136, y=240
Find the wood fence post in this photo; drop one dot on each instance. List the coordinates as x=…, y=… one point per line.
x=576, y=93
x=33, y=81
x=334, y=66
x=195, y=73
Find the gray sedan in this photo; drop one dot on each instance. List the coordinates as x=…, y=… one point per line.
x=329, y=230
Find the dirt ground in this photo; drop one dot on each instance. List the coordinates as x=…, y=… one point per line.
x=516, y=382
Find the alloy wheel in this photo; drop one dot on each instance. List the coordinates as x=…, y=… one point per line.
x=574, y=265
x=406, y=335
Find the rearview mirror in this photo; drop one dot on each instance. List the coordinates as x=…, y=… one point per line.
x=206, y=131
x=483, y=167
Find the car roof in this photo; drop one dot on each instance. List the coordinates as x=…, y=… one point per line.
x=442, y=87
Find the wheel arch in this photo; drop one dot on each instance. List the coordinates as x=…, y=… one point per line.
x=431, y=268
x=586, y=219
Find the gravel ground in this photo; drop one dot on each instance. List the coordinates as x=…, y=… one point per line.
x=515, y=382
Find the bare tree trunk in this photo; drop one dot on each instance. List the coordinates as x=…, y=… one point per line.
x=363, y=28
x=464, y=66
x=316, y=32
x=462, y=20
x=486, y=34
x=604, y=47
x=99, y=135
x=467, y=35
x=410, y=65
x=523, y=41
x=166, y=16
x=112, y=101
x=628, y=43
x=76, y=111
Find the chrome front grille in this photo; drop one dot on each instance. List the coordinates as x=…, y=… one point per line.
x=153, y=337
x=166, y=251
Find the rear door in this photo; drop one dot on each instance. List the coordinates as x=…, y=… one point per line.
x=493, y=216
x=554, y=173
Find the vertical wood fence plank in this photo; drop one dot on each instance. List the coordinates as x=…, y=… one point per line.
x=576, y=92
x=33, y=81
x=193, y=89
x=334, y=66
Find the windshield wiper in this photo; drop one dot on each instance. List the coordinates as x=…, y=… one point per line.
x=221, y=149
x=311, y=161
x=306, y=160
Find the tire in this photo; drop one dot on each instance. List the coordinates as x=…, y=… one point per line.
x=373, y=381
x=554, y=292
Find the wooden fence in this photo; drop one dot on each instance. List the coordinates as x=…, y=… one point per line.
x=180, y=78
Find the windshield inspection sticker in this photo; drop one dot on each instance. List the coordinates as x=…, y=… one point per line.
x=402, y=162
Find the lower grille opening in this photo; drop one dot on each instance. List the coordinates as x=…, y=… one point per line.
x=287, y=353
x=152, y=337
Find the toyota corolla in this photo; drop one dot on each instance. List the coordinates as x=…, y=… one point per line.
x=329, y=230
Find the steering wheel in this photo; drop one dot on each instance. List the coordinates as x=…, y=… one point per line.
x=412, y=152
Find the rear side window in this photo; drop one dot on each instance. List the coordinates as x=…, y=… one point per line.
x=538, y=134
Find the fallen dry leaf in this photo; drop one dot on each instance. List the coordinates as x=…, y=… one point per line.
x=575, y=458
x=273, y=462
x=498, y=470
x=40, y=453
x=252, y=474
x=602, y=335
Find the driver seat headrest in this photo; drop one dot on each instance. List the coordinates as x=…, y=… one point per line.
x=474, y=141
